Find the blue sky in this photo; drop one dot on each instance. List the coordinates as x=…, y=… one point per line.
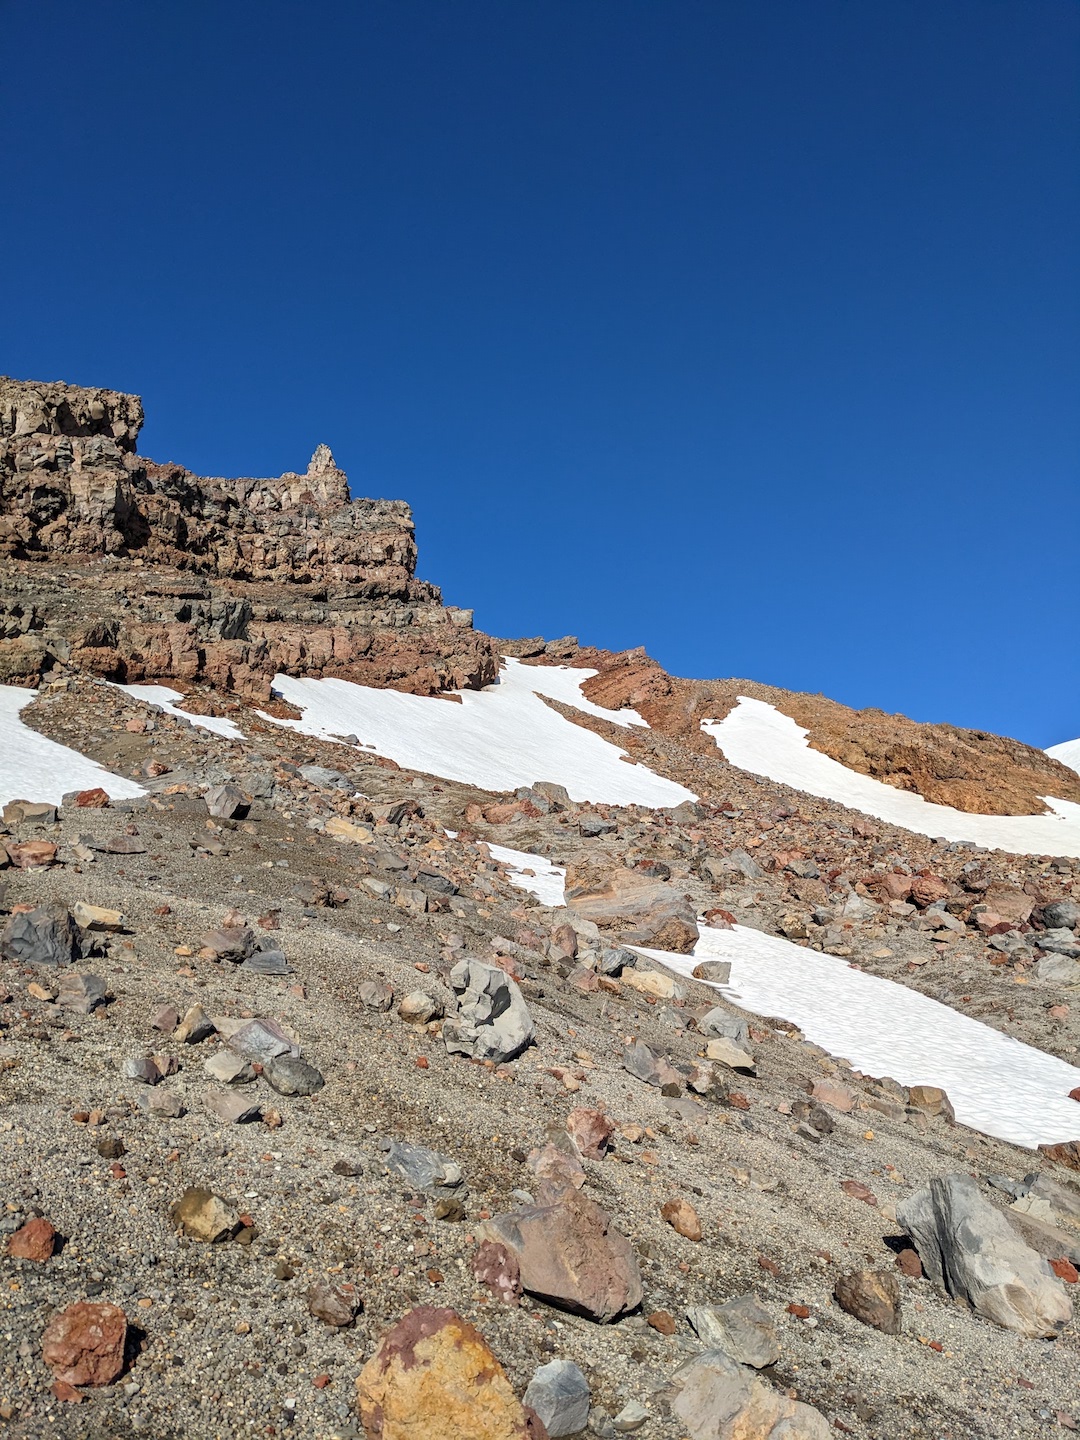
x=744, y=331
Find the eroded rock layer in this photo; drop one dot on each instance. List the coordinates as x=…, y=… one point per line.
x=156, y=573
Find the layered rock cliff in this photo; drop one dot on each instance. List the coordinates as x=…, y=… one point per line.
x=156, y=573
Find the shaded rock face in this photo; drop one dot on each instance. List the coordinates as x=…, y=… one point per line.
x=194, y=579
x=969, y=1249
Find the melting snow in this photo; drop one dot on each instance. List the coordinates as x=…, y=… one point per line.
x=547, y=881
x=33, y=767
x=166, y=698
x=497, y=738
x=1068, y=752
x=997, y=1084
x=757, y=737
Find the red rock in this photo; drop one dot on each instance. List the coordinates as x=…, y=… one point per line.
x=35, y=1240
x=769, y=1266
x=1075, y=1094
x=925, y=889
x=829, y=1092
x=682, y=1217
x=96, y=799
x=84, y=1344
x=591, y=1131
x=25, y=854
x=908, y=1261
x=662, y=1322
x=801, y=1312
x=497, y=1269
x=1065, y=1270
x=858, y=1191
x=63, y=1391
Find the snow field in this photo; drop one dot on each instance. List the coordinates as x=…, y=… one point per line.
x=33, y=767
x=1068, y=752
x=497, y=738
x=756, y=737
x=997, y=1085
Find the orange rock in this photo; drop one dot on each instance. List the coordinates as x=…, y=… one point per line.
x=434, y=1375
x=35, y=1240
x=682, y=1217
x=27, y=853
x=96, y=799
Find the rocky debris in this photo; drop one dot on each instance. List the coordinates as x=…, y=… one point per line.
x=872, y=1296
x=84, y=1344
x=716, y=1399
x=434, y=1375
x=424, y=1168
x=649, y=1065
x=641, y=910
x=591, y=1131
x=202, y=1215
x=741, y=1327
x=335, y=1303
x=42, y=936
x=560, y=1396
x=570, y=1254
x=492, y=1020
x=36, y=1240
x=968, y=1249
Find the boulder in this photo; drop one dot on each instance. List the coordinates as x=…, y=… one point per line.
x=968, y=1248
x=433, y=1375
x=571, y=1255
x=492, y=1020
x=872, y=1296
x=644, y=911
x=225, y=802
x=716, y=1399
x=43, y=936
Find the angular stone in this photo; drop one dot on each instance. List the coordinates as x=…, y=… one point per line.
x=425, y=1169
x=195, y=1026
x=230, y=942
x=718, y=1022
x=829, y=1092
x=202, y=1215
x=433, y=1375
x=572, y=1256
x=659, y=983
x=160, y=1104
x=96, y=917
x=497, y=1269
x=872, y=1296
x=267, y=961
x=84, y=1344
x=140, y=1068
x=375, y=994
x=493, y=1021
x=645, y=1063
x=742, y=1328
x=35, y=1240
x=728, y=1053
x=81, y=992
x=418, y=1008
x=716, y=1399
x=335, y=1303
x=31, y=854
x=682, y=1217
x=261, y=1040
x=290, y=1075
x=717, y=972
x=559, y=1393
x=232, y=1069
x=968, y=1248
x=591, y=1131
x=29, y=812
x=43, y=936
x=230, y=1108
x=225, y=802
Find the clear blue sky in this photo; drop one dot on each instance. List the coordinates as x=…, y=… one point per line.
x=744, y=330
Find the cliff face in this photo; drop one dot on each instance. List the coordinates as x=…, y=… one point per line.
x=155, y=573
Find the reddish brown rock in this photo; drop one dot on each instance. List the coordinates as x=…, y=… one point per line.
x=96, y=799
x=872, y=1296
x=682, y=1217
x=572, y=1256
x=497, y=1269
x=26, y=854
x=84, y=1344
x=925, y=889
x=433, y=1375
x=1065, y=1270
x=591, y=1131
x=908, y=1261
x=35, y=1240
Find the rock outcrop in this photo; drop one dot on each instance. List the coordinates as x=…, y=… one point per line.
x=156, y=573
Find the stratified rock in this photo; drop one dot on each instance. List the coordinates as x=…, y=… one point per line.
x=644, y=911
x=969, y=1249
x=434, y=1376
x=716, y=1399
x=202, y=1215
x=872, y=1296
x=84, y=1344
x=493, y=1021
x=559, y=1393
x=572, y=1256
x=742, y=1328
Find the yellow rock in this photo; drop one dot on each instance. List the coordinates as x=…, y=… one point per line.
x=343, y=829
x=433, y=1376
x=650, y=982
x=86, y=915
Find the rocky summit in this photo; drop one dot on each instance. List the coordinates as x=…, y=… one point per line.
x=349, y=1093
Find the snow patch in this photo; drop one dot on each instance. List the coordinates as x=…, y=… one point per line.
x=756, y=737
x=166, y=698
x=547, y=881
x=1068, y=752
x=497, y=738
x=32, y=767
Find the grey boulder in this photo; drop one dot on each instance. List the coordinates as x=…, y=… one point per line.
x=716, y=1399
x=969, y=1249
x=43, y=936
x=559, y=1393
x=742, y=1328
x=290, y=1075
x=492, y=1021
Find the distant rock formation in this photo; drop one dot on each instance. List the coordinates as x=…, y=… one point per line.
x=155, y=573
